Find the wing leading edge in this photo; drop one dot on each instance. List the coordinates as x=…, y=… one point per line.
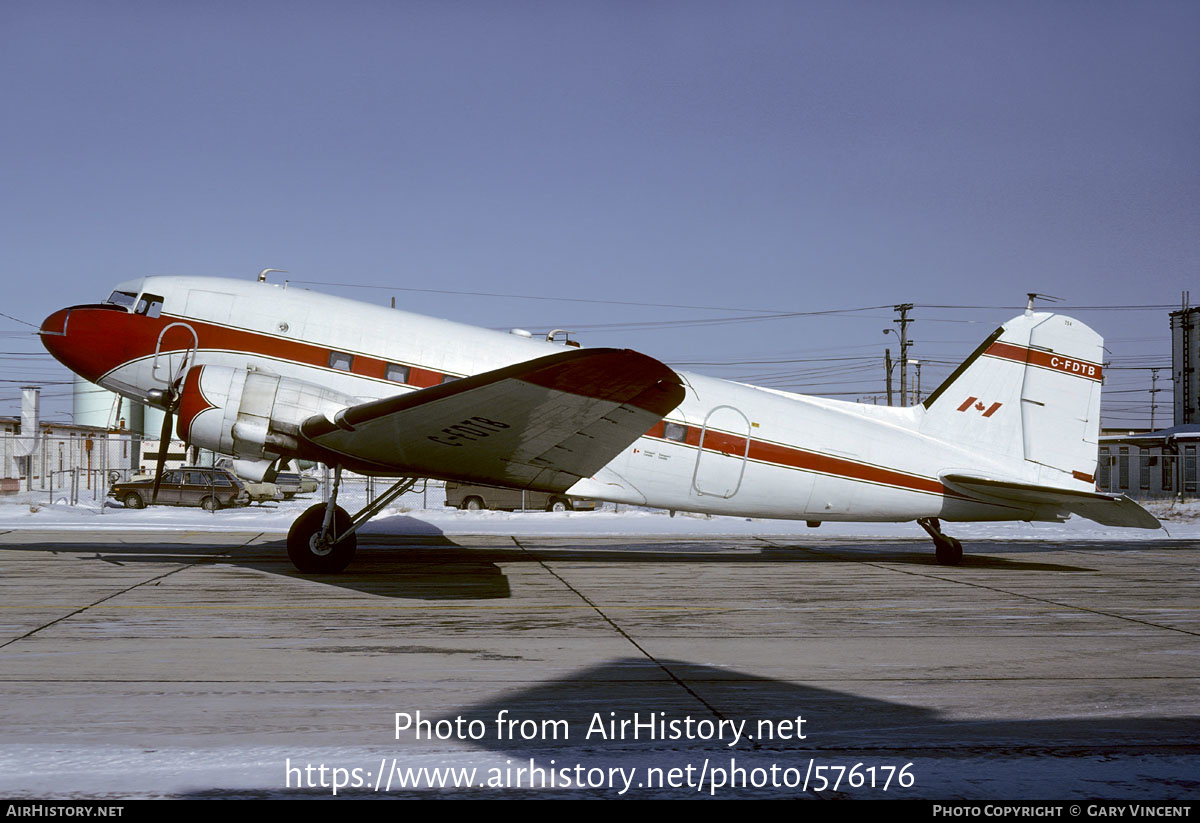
x=542, y=424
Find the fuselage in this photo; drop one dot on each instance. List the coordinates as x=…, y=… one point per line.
x=728, y=448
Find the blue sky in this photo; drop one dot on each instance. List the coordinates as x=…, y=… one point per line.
x=771, y=157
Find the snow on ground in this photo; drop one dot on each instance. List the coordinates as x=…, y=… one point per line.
x=32, y=510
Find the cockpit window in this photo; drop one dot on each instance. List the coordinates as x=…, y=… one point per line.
x=124, y=299
x=150, y=305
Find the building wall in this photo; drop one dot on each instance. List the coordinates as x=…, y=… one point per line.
x=1148, y=473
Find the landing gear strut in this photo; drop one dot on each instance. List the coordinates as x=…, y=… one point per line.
x=323, y=539
x=948, y=550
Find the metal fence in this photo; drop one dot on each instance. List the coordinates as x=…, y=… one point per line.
x=78, y=467
x=357, y=492
x=1148, y=474
x=74, y=465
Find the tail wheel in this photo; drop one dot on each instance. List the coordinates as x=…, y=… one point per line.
x=308, y=549
x=949, y=551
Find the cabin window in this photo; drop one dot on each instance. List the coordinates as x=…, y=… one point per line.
x=150, y=305
x=341, y=361
x=676, y=432
x=448, y=378
x=396, y=373
x=124, y=299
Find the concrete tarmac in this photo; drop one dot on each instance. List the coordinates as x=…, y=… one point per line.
x=187, y=664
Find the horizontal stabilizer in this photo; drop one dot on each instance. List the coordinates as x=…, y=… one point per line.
x=1106, y=509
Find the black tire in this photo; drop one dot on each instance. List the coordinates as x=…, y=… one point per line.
x=133, y=500
x=949, y=551
x=473, y=504
x=210, y=504
x=310, y=558
x=288, y=495
x=558, y=504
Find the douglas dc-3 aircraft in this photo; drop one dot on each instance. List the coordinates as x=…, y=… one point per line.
x=261, y=372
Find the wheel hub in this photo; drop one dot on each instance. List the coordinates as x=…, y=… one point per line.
x=320, y=545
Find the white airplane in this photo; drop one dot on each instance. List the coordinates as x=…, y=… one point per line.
x=264, y=372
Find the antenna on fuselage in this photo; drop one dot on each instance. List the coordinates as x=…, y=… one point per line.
x=262, y=275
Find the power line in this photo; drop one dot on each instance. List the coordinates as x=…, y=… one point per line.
x=764, y=312
x=17, y=319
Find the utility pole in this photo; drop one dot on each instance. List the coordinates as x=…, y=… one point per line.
x=904, y=309
x=917, y=363
x=1154, y=389
x=888, y=365
x=1183, y=355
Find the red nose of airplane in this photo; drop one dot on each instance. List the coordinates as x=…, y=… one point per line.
x=89, y=340
x=54, y=337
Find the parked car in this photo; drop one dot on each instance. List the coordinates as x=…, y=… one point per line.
x=259, y=492
x=189, y=486
x=473, y=497
x=291, y=484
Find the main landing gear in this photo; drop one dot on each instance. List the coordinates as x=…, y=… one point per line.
x=948, y=549
x=323, y=540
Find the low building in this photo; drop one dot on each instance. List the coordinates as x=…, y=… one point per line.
x=60, y=450
x=1151, y=464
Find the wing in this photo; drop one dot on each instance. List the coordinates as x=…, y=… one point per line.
x=1106, y=509
x=542, y=424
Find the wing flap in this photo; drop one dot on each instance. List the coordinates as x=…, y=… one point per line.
x=543, y=424
x=1106, y=509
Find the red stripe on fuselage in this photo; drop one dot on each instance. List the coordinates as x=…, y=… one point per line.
x=777, y=454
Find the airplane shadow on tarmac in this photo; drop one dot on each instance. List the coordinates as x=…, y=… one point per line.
x=577, y=719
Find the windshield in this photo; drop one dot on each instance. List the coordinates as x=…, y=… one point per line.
x=122, y=298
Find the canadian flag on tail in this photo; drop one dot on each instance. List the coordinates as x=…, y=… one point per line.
x=988, y=411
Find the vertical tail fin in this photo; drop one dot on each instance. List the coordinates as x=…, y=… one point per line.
x=1031, y=391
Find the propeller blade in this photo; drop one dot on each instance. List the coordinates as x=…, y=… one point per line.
x=164, y=444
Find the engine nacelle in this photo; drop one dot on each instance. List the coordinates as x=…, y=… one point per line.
x=249, y=414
